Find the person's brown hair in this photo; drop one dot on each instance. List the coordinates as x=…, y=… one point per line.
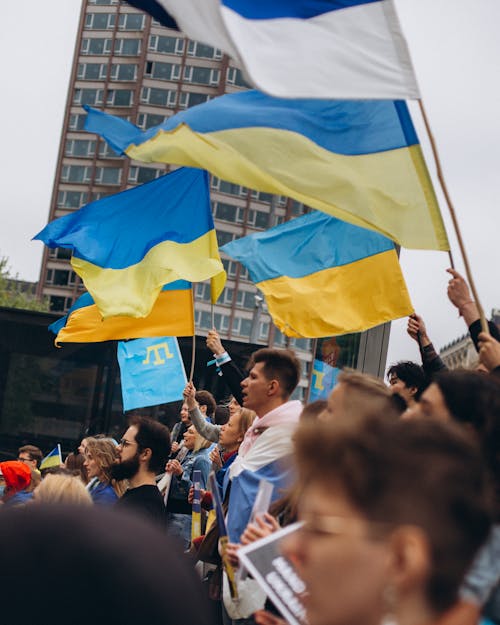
x=34, y=453
x=104, y=452
x=368, y=396
x=247, y=417
x=204, y=398
x=415, y=472
x=155, y=436
x=279, y=364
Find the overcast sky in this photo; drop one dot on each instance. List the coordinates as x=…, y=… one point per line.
x=456, y=53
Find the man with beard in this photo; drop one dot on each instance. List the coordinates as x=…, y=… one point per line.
x=142, y=454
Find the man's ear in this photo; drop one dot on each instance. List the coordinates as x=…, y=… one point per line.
x=274, y=387
x=412, y=390
x=411, y=557
x=203, y=409
x=145, y=454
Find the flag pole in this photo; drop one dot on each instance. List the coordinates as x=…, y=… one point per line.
x=484, y=325
x=193, y=349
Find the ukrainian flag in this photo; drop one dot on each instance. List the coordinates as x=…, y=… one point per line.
x=127, y=246
x=324, y=277
x=54, y=459
x=357, y=160
x=172, y=315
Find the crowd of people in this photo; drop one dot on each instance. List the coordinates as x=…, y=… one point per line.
x=397, y=488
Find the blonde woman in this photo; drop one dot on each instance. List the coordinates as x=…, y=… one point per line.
x=60, y=488
x=178, y=507
x=100, y=456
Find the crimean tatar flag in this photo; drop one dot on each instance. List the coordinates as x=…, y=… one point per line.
x=171, y=315
x=303, y=48
x=359, y=160
x=54, y=459
x=324, y=277
x=127, y=246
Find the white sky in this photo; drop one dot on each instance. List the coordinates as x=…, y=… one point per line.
x=456, y=53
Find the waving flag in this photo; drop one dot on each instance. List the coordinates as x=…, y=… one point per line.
x=127, y=246
x=151, y=371
x=359, y=161
x=53, y=459
x=324, y=277
x=304, y=48
x=171, y=315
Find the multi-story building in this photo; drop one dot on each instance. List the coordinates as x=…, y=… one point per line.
x=461, y=353
x=129, y=65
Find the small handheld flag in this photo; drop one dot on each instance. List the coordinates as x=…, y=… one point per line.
x=54, y=459
x=196, y=513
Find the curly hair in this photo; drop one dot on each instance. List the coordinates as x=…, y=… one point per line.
x=103, y=452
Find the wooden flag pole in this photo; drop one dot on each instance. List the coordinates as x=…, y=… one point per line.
x=484, y=324
x=193, y=350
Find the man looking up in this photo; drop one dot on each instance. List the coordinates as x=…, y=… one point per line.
x=142, y=453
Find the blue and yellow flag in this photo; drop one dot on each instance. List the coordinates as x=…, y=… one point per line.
x=152, y=372
x=171, y=315
x=324, y=277
x=54, y=459
x=357, y=160
x=127, y=246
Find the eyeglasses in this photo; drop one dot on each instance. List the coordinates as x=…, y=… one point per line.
x=342, y=526
x=125, y=443
x=24, y=459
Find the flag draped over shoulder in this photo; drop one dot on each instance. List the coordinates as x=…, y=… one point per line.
x=53, y=459
x=359, y=161
x=171, y=315
x=304, y=48
x=127, y=246
x=323, y=277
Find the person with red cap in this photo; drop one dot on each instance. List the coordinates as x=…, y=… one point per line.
x=17, y=477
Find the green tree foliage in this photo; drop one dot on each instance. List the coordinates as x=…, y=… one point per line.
x=12, y=294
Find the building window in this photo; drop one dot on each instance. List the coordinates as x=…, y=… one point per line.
x=235, y=77
x=263, y=330
x=105, y=151
x=226, y=212
x=163, y=71
x=203, y=51
x=166, y=45
x=60, y=253
x=96, y=46
x=71, y=199
x=88, y=96
x=242, y=327
x=228, y=187
x=75, y=173
x=148, y=120
x=143, y=174
x=120, y=97
x=100, y=21
x=108, y=175
x=80, y=147
x=230, y=266
x=127, y=47
x=201, y=75
x=76, y=122
x=159, y=97
x=224, y=237
x=131, y=21
x=261, y=219
x=103, y=2
x=91, y=71
x=123, y=71
x=186, y=100
x=57, y=303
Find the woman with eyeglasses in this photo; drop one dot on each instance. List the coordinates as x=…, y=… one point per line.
x=393, y=513
x=100, y=456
